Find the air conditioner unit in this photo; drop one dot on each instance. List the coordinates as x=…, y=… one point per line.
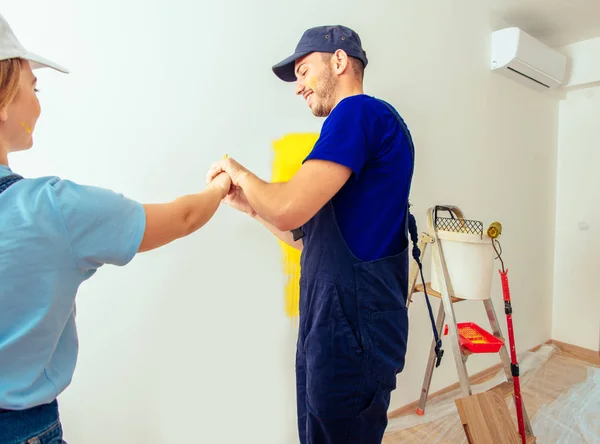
x=521, y=57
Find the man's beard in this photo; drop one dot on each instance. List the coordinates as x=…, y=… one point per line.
x=325, y=94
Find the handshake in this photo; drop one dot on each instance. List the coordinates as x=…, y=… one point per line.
x=228, y=176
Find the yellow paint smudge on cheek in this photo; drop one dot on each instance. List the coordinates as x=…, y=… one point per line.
x=29, y=130
x=290, y=151
x=311, y=82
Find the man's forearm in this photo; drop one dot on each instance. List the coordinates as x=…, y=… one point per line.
x=268, y=200
x=285, y=236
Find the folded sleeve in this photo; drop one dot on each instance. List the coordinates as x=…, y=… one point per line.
x=104, y=227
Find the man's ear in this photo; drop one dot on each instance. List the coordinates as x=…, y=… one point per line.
x=340, y=61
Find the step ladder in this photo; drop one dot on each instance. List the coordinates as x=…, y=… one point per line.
x=458, y=224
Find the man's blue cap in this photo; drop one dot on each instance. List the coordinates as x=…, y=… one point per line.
x=321, y=39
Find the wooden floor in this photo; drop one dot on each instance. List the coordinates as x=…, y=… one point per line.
x=561, y=371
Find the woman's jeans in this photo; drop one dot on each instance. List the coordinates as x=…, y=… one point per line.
x=37, y=425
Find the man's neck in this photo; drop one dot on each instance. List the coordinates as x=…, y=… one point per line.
x=343, y=93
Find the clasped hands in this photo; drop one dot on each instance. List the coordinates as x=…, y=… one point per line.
x=227, y=174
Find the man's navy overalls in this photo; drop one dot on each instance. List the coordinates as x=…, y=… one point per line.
x=352, y=337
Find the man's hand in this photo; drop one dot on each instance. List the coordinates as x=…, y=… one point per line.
x=222, y=182
x=229, y=166
x=235, y=196
x=237, y=199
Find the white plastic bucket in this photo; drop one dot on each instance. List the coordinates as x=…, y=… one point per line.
x=470, y=263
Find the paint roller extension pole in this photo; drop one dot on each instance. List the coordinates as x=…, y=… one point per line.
x=494, y=231
x=513, y=355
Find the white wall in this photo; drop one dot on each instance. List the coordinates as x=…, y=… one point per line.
x=576, y=310
x=187, y=342
x=584, y=65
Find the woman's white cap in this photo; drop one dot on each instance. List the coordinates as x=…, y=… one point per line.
x=11, y=48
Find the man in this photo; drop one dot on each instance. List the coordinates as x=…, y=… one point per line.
x=350, y=199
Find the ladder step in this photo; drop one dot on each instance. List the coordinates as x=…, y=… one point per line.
x=431, y=292
x=467, y=352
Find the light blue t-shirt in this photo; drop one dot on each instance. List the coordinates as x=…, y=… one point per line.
x=54, y=235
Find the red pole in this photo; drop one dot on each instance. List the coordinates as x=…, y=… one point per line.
x=513, y=355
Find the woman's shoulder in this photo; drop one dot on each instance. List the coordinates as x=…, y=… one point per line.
x=53, y=187
x=63, y=195
x=28, y=185
x=47, y=193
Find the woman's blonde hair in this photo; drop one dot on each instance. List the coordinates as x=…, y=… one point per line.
x=10, y=75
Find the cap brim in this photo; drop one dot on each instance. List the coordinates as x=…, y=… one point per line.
x=285, y=69
x=37, y=61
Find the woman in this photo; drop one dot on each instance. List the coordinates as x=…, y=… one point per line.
x=54, y=235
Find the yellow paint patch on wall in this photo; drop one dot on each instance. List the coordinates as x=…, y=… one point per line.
x=290, y=151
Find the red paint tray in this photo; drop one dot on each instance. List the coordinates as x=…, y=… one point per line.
x=476, y=339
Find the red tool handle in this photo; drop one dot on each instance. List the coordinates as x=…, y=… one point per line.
x=513, y=355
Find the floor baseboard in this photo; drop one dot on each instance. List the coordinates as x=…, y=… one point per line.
x=583, y=354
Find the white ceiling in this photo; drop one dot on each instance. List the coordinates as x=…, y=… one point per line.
x=555, y=22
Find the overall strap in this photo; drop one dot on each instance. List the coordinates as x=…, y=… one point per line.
x=7, y=181
x=412, y=228
x=404, y=128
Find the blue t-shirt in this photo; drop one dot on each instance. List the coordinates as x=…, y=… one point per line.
x=54, y=235
x=363, y=134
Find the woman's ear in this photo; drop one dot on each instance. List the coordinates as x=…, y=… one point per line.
x=4, y=114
